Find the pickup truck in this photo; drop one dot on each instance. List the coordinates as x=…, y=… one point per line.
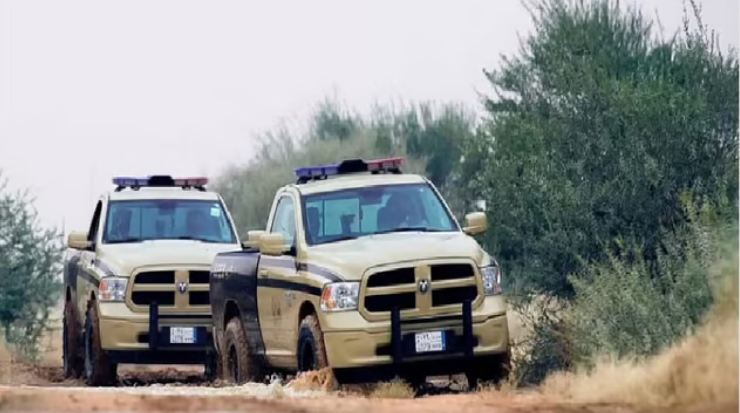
x=364, y=270
x=136, y=283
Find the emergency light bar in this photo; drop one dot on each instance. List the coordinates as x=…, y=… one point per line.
x=374, y=166
x=123, y=182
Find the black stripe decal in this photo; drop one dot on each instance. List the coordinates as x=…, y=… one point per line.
x=320, y=271
x=301, y=266
x=103, y=267
x=89, y=278
x=288, y=285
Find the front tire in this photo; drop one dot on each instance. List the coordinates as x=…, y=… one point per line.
x=238, y=363
x=99, y=370
x=71, y=348
x=311, y=352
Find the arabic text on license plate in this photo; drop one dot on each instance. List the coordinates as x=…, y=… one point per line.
x=430, y=341
x=182, y=335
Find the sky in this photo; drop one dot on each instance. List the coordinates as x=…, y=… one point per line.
x=94, y=89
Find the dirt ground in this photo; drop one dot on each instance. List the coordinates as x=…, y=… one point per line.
x=42, y=387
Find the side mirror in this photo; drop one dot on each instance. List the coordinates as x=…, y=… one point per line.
x=78, y=240
x=273, y=244
x=253, y=239
x=475, y=223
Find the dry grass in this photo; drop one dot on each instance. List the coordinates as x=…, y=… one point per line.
x=700, y=369
x=394, y=389
x=321, y=380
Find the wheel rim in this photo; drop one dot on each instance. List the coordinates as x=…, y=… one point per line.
x=233, y=364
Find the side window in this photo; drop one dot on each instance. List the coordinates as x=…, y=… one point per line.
x=284, y=220
x=92, y=233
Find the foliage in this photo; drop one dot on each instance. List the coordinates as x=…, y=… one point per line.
x=594, y=130
x=336, y=134
x=627, y=306
x=30, y=270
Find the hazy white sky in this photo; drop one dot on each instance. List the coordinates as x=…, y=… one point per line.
x=92, y=89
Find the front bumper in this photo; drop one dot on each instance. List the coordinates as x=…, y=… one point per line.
x=471, y=334
x=133, y=337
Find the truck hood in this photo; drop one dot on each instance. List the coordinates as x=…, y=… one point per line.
x=350, y=259
x=124, y=259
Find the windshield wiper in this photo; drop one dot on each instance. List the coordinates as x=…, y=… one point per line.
x=191, y=238
x=407, y=229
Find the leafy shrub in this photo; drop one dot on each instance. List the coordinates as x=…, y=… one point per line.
x=30, y=272
x=627, y=306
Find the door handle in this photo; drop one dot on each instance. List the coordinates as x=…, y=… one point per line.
x=263, y=273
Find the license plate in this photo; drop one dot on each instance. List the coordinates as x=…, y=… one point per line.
x=182, y=335
x=430, y=341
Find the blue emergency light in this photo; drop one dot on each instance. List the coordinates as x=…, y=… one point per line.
x=122, y=182
x=384, y=165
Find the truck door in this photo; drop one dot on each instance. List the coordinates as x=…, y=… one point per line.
x=276, y=276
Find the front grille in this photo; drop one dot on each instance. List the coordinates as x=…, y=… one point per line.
x=448, y=284
x=171, y=289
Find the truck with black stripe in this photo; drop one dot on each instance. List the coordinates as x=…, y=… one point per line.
x=364, y=270
x=136, y=282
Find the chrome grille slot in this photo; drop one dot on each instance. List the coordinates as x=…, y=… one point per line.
x=166, y=298
x=378, y=303
x=199, y=277
x=155, y=277
x=199, y=298
x=454, y=295
x=442, y=272
x=393, y=277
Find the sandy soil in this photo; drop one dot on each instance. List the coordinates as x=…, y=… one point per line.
x=42, y=387
x=182, y=390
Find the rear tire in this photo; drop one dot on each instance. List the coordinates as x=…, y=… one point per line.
x=239, y=364
x=99, y=370
x=71, y=348
x=311, y=353
x=493, y=369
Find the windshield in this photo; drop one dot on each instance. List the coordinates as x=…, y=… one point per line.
x=351, y=213
x=135, y=221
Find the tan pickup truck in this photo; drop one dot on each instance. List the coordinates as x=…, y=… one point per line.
x=136, y=283
x=362, y=269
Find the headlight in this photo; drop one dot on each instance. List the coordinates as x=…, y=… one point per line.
x=340, y=296
x=112, y=289
x=491, y=280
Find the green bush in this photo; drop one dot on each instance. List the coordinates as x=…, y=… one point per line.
x=628, y=306
x=593, y=131
x=30, y=273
